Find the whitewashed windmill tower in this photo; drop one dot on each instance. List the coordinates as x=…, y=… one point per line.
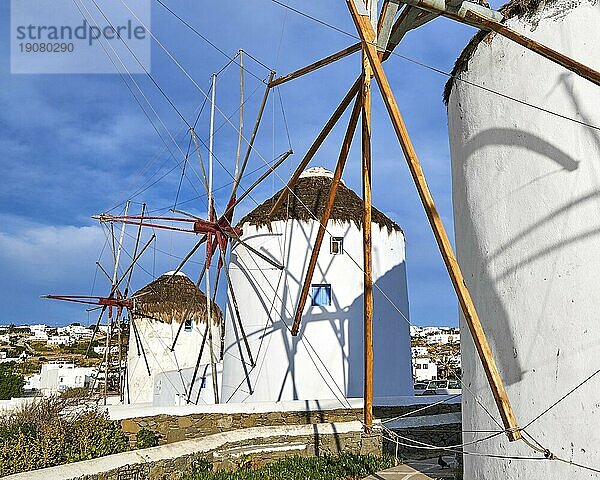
x=526, y=188
x=168, y=332
x=287, y=367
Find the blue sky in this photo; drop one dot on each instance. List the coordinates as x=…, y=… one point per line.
x=75, y=145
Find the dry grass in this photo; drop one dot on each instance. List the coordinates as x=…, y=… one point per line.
x=173, y=298
x=56, y=430
x=308, y=202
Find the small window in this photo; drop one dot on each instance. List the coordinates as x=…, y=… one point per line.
x=188, y=325
x=425, y=366
x=336, y=246
x=321, y=295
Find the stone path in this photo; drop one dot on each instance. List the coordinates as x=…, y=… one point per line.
x=415, y=470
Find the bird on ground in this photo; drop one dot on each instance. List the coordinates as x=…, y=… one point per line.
x=442, y=463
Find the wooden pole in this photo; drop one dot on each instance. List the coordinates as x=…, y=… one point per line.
x=210, y=215
x=261, y=109
x=316, y=65
x=365, y=29
x=547, y=52
x=354, y=90
x=339, y=111
x=337, y=176
x=367, y=245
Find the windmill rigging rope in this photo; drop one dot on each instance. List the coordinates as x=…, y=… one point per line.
x=141, y=92
x=437, y=70
x=250, y=145
x=216, y=47
x=401, y=56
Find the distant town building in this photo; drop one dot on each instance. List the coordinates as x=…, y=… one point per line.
x=424, y=369
x=101, y=349
x=418, y=351
x=75, y=332
x=443, y=338
x=38, y=335
x=57, y=377
x=60, y=340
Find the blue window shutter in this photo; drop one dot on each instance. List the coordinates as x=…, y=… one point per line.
x=321, y=295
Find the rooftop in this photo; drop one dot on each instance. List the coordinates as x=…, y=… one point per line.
x=308, y=200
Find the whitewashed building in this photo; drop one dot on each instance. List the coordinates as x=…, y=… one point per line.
x=526, y=198
x=156, y=363
x=56, y=377
x=325, y=360
x=443, y=338
x=59, y=340
x=424, y=369
x=418, y=351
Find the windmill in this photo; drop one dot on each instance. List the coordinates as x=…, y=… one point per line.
x=379, y=36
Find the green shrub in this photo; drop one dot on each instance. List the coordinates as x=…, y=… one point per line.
x=345, y=466
x=146, y=438
x=11, y=383
x=56, y=430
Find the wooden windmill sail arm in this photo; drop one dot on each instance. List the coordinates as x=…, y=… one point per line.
x=409, y=19
x=247, y=192
x=363, y=26
x=135, y=249
x=487, y=19
x=316, y=65
x=389, y=10
x=261, y=109
x=189, y=255
x=259, y=254
x=546, y=52
x=198, y=360
x=337, y=114
x=337, y=176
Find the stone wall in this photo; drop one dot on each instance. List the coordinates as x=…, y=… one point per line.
x=174, y=428
x=438, y=435
x=259, y=444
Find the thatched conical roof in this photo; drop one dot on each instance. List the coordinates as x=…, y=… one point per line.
x=173, y=298
x=309, y=199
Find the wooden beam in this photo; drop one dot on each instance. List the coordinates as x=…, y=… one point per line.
x=546, y=52
x=409, y=19
x=363, y=26
x=261, y=109
x=354, y=90
x=385, y=23
x=367, y=245
x=339, y=111
x=337, y=176
x=316, y=65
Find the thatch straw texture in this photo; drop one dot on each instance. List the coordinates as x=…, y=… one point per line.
x=309, y=201
x=514, y=8
x=173, y=299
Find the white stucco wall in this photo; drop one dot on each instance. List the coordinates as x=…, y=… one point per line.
x=285, y=369
x=526, y=192
x=157, y=338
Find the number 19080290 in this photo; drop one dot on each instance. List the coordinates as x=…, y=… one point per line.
x=46, y=47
